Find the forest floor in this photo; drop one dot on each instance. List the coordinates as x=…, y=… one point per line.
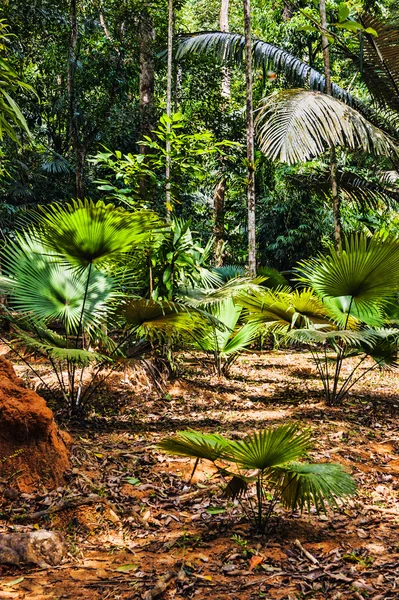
x=151, y=530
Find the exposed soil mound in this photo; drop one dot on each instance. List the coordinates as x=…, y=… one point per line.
x=32, y=449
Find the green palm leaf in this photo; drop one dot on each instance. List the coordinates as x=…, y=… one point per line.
x=195, y=445
x=42, y=346
x=91, y=233
x=40, y=285
x=270, y=447
x=230, y=47
x=300, y=485
x=363, y=272
x=284, y=309
x=161, y=316
x=296, y=125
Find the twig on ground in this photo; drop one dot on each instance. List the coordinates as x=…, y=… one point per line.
x=309, y=556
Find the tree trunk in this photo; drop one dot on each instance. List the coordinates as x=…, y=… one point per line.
x=168, y=198
x=218, y=215
x=80, y=153
x=333, y=160
x=224, y=26
x=250, y=141
x=147, y=76
x=220, y=189
x=73, y=126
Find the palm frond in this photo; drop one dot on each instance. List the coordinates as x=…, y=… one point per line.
x=41, y=347
x=161, y=316
x=270, y=447
x=364, y=271
x=195, y=445
x=86, y=232
x=296, y=125
x=380, y=60
x=361, y=191
x=228, y=272
x=38, y=284
x=284, y=309
x=357, y=339
x=230, y=47
x=300, y=485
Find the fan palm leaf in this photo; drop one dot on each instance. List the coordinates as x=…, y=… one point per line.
x=146, y=316
x=301, y=485
x=58, y=351
x=363, y=272
x=283, y=309
x=87, y=233
x=296, y=125
x=270, y=447
x=39, y=285
x=196, y=445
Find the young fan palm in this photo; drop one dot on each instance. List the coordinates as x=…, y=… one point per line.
x=227, y=338
x=356, y=285
x=264, y=465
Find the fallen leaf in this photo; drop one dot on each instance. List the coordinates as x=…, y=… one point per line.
x=14, y=581
x=127, y=568
x=255, y=561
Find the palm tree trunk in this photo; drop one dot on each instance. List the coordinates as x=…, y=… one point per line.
x=250, y=141
x=333, y=160
x=168, y=198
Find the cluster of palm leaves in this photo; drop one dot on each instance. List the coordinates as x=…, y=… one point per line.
x=91, y=286
x=264, y=467
x=346, y=309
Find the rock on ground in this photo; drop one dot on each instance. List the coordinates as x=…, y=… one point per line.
x=43, y=548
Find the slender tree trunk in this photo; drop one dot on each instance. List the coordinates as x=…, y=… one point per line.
x=220, y=189
x=147, y=76
x=224, y=26
x=73, y=126
x=333, y=160
x=168, y=198
x=218, y=216
x=250, y=141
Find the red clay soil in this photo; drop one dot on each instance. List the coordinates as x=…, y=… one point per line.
x=32, y=449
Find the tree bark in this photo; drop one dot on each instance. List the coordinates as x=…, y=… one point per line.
x=224, y=26
x=73, y=126
x=220, y=189
x=147, y=77
x=250, y=141
x=333, y=160
x=168, y=197
x=218, y=216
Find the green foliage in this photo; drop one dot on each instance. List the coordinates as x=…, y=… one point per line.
x=11, y=117
x=227, y=338
x=188, y=153
x=265, y=463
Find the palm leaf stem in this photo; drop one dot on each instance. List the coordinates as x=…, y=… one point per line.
x=20, y=356
x=59, y=375
x=83, y=306
x=193, y=471
x=323, y=376
x=376, y=364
